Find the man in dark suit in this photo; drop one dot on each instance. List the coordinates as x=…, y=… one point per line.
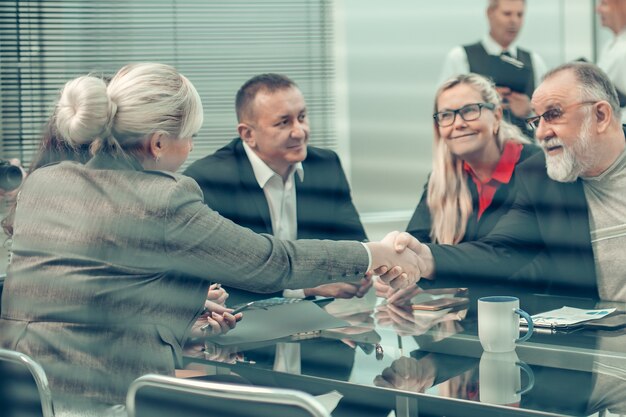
x=271, y=181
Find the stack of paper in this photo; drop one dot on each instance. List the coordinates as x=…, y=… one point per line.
x=565, y=317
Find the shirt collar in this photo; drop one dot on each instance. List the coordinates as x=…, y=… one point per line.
x=506, y=165
x=493, y=48
x=262, y=172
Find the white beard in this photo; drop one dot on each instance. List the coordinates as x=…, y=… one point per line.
x=570, y=163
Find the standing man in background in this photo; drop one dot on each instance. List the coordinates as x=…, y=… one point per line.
x=271, y=181
x=506, y=18
x=613, y=56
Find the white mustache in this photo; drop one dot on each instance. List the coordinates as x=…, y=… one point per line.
x=550, y=143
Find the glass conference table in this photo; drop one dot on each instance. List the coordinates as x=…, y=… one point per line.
x=391, y=362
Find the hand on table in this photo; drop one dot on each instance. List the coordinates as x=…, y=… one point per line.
x=341, y=289
x=408, y=374
x=406, y=322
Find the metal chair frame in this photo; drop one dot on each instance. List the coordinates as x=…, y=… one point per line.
x=38, y=374
x=245, y=393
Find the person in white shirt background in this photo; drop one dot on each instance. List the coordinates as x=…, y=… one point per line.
x=506, y=18
x=612, y=58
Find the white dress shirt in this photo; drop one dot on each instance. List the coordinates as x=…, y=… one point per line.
x=613, y=62
x=281, y=199
x=456, y=61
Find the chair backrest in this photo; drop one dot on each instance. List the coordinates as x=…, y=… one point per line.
x=157, y=395
x=24, y=390
x=2, y=277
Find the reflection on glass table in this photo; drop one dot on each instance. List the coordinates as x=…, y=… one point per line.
x=435, y=358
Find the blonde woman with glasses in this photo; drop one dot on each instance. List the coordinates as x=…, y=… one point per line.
x=475, y=156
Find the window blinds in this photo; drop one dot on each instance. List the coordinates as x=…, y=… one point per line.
x=218, y=45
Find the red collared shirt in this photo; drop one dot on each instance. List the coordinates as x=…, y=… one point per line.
x=501, y=175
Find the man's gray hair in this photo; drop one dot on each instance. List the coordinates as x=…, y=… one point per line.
x=594, y=84
x=492, y=4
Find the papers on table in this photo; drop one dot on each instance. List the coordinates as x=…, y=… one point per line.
x=277, y=322
x=565, y=317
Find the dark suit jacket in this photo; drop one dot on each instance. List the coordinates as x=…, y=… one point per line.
x=421, y=222
x=546, y=215
x=476, y=229
x=324, y=204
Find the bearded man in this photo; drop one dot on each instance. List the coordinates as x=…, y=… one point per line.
x=577, y=212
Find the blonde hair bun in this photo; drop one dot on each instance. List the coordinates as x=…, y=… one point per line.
x=84, y=110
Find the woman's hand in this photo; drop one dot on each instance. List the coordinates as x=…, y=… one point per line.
x=217, y=294
x=216, y=320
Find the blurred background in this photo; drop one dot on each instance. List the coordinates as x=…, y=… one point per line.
x=368, y=69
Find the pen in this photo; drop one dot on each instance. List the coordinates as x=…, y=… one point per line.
x=242, y=308
x=237, y=310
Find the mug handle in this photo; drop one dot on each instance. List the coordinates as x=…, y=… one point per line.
x=529, y=320
x=531, y=377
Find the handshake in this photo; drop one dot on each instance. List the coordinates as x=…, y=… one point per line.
x=401, y=260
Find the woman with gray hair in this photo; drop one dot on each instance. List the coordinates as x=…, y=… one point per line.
x=111, y=259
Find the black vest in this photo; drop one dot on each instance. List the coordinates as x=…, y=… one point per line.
x=478, y=60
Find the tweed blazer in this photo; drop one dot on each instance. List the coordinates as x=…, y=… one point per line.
x=111, y=265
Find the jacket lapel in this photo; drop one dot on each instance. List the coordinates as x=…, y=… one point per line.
x=258, y=207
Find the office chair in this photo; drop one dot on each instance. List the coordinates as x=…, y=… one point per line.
x=24, y=390
x=2, y=277
x=157, y=396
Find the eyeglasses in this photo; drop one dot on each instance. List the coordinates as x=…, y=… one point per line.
x=468, y=113
x=552, y=115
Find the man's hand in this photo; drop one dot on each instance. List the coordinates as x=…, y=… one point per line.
x=341, y=289
x=402, y=241
x=518, y=103
x=408, y=374
x=400, y=296
x=405, y=322
x=398, y=268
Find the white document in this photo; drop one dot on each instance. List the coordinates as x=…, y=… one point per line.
x=275, y=322
x=567, y=316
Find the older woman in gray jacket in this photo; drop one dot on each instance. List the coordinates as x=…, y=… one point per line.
x=111, y=258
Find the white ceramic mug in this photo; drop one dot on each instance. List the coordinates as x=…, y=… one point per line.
x=498, y=323
x=500, y=380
